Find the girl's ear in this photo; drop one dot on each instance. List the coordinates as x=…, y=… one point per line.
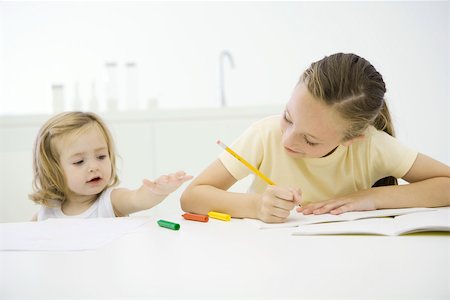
x=355, y=139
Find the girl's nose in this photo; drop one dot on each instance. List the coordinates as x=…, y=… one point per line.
x=288, y=138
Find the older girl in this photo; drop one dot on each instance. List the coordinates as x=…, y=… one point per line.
x=332, y=150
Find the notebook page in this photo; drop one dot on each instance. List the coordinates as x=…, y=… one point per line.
x=379, y=226
x=437, y=220
x=295, y=219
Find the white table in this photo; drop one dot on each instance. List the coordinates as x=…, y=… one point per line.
x=234, y=260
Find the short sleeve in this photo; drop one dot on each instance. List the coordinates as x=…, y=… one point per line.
x=249, y=146
x=389, y=157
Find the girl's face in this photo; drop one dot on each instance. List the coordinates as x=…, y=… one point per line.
x=85, y=162
x=310, y=128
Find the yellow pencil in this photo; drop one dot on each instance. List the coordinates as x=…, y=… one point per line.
x=246, y=163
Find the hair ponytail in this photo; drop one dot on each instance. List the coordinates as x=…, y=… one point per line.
x=384, y=122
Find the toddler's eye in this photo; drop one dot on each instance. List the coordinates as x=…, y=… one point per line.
x=102, y=157
x=79, y=162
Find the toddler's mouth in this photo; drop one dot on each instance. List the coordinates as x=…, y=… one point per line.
x=95, y=179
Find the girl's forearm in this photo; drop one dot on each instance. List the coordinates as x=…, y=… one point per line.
x=202, y=199
x=434, y=192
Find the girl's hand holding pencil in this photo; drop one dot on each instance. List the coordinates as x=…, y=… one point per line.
x=275, y=203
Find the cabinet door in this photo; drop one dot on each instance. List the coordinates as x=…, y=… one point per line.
x=16, y=173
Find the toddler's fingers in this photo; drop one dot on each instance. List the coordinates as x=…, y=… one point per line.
x=180, y=174
x=163, y=179
x=187, y=177
x=148, y=183
x=172, y=177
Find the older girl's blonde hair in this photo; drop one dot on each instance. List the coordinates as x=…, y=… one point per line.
x=352, y=86
x=49, y=183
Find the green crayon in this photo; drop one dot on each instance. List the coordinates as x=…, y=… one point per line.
x=167, y=224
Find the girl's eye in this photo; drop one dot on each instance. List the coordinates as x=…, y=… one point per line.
x=285, y=117
x=309, y=143
x=79, y=162
x=102, y=157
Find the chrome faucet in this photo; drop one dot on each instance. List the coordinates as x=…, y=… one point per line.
x=224, y=54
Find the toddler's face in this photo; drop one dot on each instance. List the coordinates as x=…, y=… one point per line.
x=311, y=129
x=85, y=162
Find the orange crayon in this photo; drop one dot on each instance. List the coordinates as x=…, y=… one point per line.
x=195, y=217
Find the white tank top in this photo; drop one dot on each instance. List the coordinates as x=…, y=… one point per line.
x=101, y=208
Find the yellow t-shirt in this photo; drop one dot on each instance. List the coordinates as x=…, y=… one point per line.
x=346, y=170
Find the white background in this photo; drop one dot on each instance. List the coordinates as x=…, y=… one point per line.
x=176, y=46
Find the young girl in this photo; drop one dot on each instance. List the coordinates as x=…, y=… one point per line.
x=75, y=170
x=331, y=151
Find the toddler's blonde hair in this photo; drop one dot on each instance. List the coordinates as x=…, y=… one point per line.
x=49, y=183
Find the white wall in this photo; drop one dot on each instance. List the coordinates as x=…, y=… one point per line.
x=177, y=44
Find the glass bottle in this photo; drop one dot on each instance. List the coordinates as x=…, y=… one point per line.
x=76, y=97
x=131, y=86
x=58, y=98
x=111, y=87
x=93, y=101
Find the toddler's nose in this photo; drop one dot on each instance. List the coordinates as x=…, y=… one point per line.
x=92, y=167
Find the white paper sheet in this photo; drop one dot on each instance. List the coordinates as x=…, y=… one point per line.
x=65, y=234
x=296, y=219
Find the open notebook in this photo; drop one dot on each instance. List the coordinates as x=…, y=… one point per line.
x=296, y=219
x=434, y=220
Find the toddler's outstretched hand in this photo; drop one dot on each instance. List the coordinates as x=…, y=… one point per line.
x=166, y=184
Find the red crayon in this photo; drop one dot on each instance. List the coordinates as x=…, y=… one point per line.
x=194, y=217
